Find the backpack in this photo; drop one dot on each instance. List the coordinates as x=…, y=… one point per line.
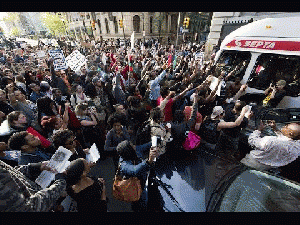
x=143, y=134
x=208, y=131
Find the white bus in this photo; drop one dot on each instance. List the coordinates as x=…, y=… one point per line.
x=270, y=50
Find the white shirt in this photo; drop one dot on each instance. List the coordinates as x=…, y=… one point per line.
x=274, y=150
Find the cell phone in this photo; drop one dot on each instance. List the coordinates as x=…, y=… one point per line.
x=154, y=141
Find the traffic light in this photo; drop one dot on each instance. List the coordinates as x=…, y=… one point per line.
x=186, y=22
x=93, y=24
x=121, y=23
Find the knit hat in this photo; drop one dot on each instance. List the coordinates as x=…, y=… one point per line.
x=217, y=111
x=281, y=83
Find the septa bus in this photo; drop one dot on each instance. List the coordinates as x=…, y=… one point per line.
x=269, y=49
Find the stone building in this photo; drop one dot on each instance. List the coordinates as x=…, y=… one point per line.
x=144, y=24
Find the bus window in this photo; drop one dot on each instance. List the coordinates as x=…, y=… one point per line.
x=272, y=68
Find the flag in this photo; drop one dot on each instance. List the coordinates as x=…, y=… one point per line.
x=169, y=59
x=174, y=62
x=130, y=63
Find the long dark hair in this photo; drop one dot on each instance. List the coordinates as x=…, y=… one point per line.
x=74, y=171
x=126, y=151
x=44, y=107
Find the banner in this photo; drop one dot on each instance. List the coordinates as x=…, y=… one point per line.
x=58, y=59
x=75, y=60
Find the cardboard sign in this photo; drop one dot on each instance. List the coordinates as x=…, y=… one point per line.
x=58, y=59
x=75, y=60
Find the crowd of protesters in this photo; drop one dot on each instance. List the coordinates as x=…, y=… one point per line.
x=106, y=102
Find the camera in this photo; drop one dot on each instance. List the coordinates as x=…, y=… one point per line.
x=156, y=141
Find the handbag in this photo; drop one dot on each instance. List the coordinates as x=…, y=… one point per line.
x=192, y=141
x=126, y=190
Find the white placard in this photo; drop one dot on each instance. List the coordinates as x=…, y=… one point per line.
x=75, y=60
x=94, y=155
x=214, y=83
x=41, y=54
x=59, y=161
x=58, y=59
x=132, y=40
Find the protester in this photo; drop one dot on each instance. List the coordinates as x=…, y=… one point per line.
x=19, y=192
x=115, y=93
x=88, y=192
x=273, y=151
x=131, y=166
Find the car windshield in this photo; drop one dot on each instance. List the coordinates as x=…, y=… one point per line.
x=255, y=191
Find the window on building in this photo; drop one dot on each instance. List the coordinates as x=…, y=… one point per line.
x=136, y=24
x=107, y=27
x=151, y=24
x=116, y=25
x=99, y=24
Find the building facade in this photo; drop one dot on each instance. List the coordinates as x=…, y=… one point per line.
x=144, y=24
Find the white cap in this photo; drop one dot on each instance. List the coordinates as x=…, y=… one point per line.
x=217, y=111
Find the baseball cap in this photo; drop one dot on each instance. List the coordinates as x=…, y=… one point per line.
x=217, y=111
x=281, y=83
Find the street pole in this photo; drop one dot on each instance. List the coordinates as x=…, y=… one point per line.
x=123, y=28
x=177, y=29
x=159, y=26
x=144, y=27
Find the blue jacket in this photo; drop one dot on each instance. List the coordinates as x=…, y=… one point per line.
x=35, y=157
x=140, y=170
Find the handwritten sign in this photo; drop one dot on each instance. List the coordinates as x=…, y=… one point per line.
x=75, y=60
x=58, y=59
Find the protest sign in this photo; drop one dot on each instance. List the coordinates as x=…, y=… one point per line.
x=93, y=155
x=213, y=85
x=132, y=40
x=59, y=162
x=58, y=59
x=41, y=54
x=75, y=60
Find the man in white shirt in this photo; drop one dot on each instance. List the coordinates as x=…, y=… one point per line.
x=273, y=151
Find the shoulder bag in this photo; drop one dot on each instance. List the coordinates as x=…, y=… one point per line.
x=126, y=190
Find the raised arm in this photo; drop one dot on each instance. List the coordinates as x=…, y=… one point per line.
x=236, y=123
